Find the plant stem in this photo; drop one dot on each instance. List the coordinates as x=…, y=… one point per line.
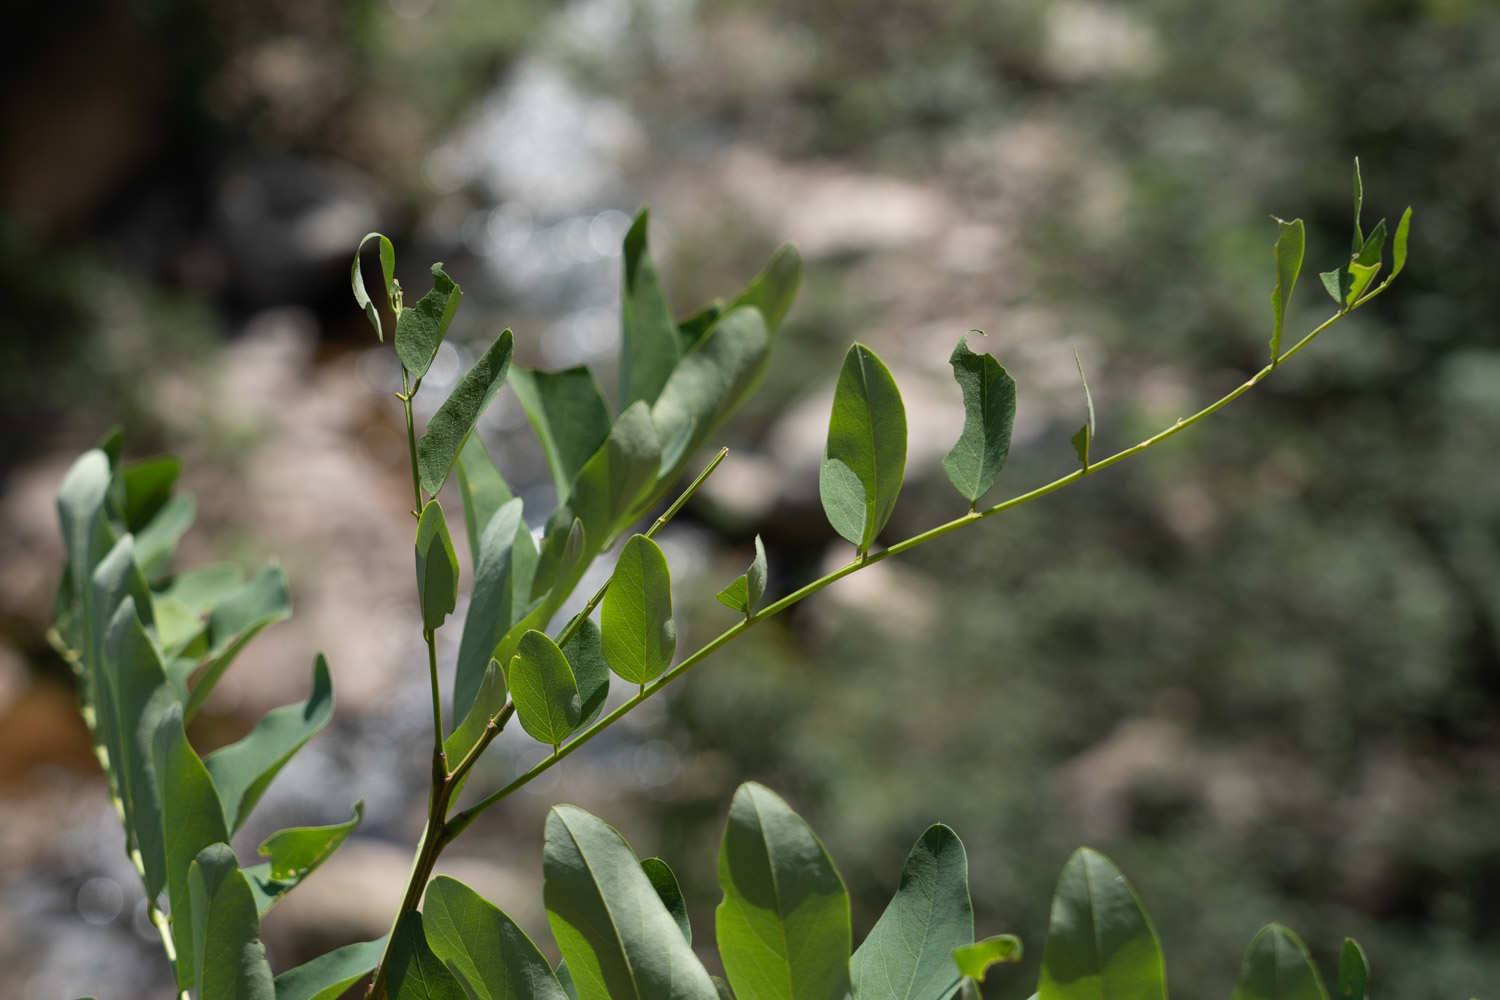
x=462, y=819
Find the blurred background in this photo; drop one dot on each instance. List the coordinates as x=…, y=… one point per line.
x=1257, y=666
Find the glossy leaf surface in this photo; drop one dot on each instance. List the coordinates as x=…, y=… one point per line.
x=569, y=415
x=437, y=567
x=1100, y=944
x=989, y=418
x=639, y=635
x=1278, y=967
x=544, y=689
x=495, y=957
x=783, y=926
x=454, y=420
x=865, y=457
x=420, y=327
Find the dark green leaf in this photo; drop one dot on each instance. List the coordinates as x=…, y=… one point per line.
x=229, y=962
x=1291, y=242
x=783, y=926
x=483, y=491
x=636, y=616
x=451, y=425
x=242, y=770
x=649, y=344
x=867, y=437
x=495, y=957
x=496, y=603
x=413, y=972
x=565, y=980
x=749, y=587
x=437, y=567
x=585, y=653
x=1354, y=972
x=232, y=624
x=614, y=480
x=569, y=415
x=1099, y=942
x=488, y=700
x=148, y=486
x=974, y=960
x=328, y=976
x=544, y=689
x=775, y=287
x=909, y=953
x=989, y=416
x=670, y=894
x=619, y=941
x=1083, y=441
x=295, y=852
x=420, y=328
x=1277, y=967
x=357, y=280
x=692, y=329
x=1337, y=283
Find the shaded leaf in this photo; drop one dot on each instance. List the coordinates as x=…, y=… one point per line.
x=909, y=953
x=242, y=770
x=1100, y=943
x=148, y=486
x=437, y=567
x=420, y=327
x=1278, y=967
x=974, y=960
x=773, y=290
x=413, y=972
x=989, y=417
x=229, y=961
x=231, y=625
x=482, y=489
x=1083, y=441
x=867, y=436
x=295, y=852
x=619, y=941
x=495, y=603
x=544, y=689
x=388, y=273
x=453, y=422
x=155, y=542
x=749, y=587
x=640, y=636
x=488, y=700
x=670, y=893
x=585, y=653
x=1359, y=203
x=1354, y=972
x=569, y=415
x=783, y=926
x=1291, y=242
x=328, y=976
x=649, y=345
x=495, y=957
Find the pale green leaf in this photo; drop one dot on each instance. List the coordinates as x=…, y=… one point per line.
x=1359, y=203
x=495, y=957
x=1100, y=943
x=420, y=327
x=229, y=961
x=328, y=976
x=867, y=435
x=772, y=291
x=388, y=273
x=783, y=926
x=453, y=422
x=649, y=344
x=908, y=954
x=413, y=972
x=619, y=941
x=1398, y=244
x=482, y=489
x=1291, y=243
x=544, y=690
x=639, y=635
x=974, y=960
x=155, y=542
x=569, y=415
x=437, y=567
x=989, y=417
x=1278, y=967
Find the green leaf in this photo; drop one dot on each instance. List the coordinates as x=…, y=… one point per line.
x=775, y=287
x=495, y=957
x=1360, y=277
x=544, y=689
x=1083, y=441
x=707, y=385
x=867, y=437
x=1337, y=283
x=1291, y=242
x=295, y=852
x=413, y=972
x=388, y=272
x=725, y=993
x=649, y=344
x=454, y=421
x=148, y=486
x=613, y=481
x=328, y=976
x=1398, y=244
x=201, y=590
x=908, y=954
x=749, y=587
x=783, y=926
x=420, y=328
x=1100, y=943
x=483, y=491
x=229, y=962
x=585, y=653
x=488, y=700
x=670, y=893
x=636, y=616
x=437, y=567
x=231, y=625
x=1374, y=245
x=496, y=602
x=692, y=329
x=1278, y=967
x=974, y=960
x=191, y=820
x=989, y=417
x=86, y=536
x=569, y=415
x=242, y=770
x=619, y=941
x=155, y=542
x=1354, y=972
x=1359, y=202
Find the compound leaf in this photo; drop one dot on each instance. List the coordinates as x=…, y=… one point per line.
x=867, y=437
x=420, y=328
x=783, y=926
x=989, y=417
x=636, y=616
x=437, y=567
x=495, y=957
x=1278, y=967
x=1100, y=943
x=453, y=422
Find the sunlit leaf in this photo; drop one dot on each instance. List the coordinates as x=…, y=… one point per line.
x=867, y=437
x=495, y=957
x=388, y=273
x=974, y=960
x=783, y=926
x=613, y=481
x=989, y=417
x=1291, y=242
x=295, y=852
x=749, y=587
x=437, y=567
x=412, y=971
x=229, y=961
x=569, y=415
x=420, y=327
x=1398, y=244
x=451, y=425
x=639, y=635
x=1278, y=967
x=649, y=345
x=773, y=290
x=1100, y=943
x=544, y=689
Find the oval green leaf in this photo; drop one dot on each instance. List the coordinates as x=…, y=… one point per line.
x=989, y=418
x=451, y=425
x=1278, y=967
x=487, y=948
x=229, y=960
x=867, y=436
x=783, y=926
x=640, y=636
x=616, y=479
x=437, y=567
x=495, y=603
x=585, y=652
x=295, y=852
x=1100, y=943
x=544, y=689
x=420, y=328
x=1354, y=972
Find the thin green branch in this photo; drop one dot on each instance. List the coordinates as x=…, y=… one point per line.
x=462, y=819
